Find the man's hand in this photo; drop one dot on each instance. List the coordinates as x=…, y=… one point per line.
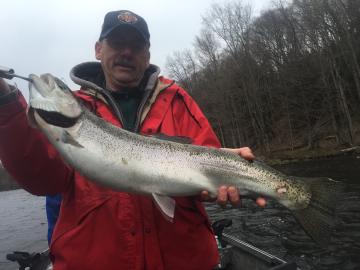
x=231, y=193
x=4, y=87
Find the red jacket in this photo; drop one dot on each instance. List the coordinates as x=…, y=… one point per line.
x=102, y=229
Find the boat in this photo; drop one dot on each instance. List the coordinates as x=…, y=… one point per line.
x=235, y=254
x=31, y=261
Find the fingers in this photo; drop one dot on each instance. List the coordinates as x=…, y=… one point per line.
x=261, y=202
x=228, y=194
x=222, y=197
x=244, y=152
x=205, y=197
x=233, y=196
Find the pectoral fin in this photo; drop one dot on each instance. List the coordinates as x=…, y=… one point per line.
x=166, y=206
x=31, y=117
x=67, y=138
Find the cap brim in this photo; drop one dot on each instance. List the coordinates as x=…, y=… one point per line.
x=129, y=26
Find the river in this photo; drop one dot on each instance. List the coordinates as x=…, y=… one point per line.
x=23, y=222
x=275, y=230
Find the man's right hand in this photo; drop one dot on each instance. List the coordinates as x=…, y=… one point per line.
x=4, y=87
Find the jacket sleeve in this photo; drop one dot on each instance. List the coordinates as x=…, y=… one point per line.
x=191, y=122
x=27, y=155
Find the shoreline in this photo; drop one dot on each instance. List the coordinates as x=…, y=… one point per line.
x=298, y=156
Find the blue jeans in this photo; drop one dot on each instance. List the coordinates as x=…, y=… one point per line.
x=52, y=212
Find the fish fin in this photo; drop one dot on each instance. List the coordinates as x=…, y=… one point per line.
x=166, y=206
x=178, y=139
x=318, y=218
x=31, y=117
x=67, y=138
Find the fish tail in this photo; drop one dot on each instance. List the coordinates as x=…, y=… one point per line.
x=318, y=218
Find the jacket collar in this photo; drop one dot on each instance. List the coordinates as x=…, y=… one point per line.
x=90, y=77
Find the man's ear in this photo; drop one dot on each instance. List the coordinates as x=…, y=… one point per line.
x=98, y=47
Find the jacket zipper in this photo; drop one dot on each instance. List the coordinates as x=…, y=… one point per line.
x=114, y=106
x=120, y=115
x=141, y=108
x=118, y=112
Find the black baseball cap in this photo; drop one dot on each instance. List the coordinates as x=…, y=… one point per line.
x=115, y=19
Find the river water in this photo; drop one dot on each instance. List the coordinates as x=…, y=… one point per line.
x=275, y=230
x=23, y=222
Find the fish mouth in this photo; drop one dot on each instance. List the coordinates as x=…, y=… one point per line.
x=56, y=118
x=53, y=101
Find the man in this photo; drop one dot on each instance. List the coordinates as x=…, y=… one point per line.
x=99, y=228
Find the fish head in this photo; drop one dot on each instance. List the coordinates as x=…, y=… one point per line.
x=52, y=99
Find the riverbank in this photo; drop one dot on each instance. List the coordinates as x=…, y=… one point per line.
x=304, y=155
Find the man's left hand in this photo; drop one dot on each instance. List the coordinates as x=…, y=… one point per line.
x=231, y=194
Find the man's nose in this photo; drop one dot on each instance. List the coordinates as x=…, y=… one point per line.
x=127, y=50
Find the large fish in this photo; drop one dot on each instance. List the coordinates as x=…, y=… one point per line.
x=125, y=161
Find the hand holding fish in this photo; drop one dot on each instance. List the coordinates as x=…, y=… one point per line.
x=230, y=193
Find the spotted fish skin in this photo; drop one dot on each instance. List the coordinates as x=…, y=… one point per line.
x=129, y=162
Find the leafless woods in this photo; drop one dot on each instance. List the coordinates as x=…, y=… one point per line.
x=284, y=79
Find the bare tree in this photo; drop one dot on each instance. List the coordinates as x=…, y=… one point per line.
x=285, y=79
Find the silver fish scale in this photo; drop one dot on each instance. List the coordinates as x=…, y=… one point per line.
x=130, y=162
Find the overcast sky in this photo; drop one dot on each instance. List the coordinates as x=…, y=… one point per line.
x=51, y=36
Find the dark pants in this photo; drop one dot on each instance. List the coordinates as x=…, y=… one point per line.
x=52, y=212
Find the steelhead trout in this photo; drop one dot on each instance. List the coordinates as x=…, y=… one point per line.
x=129, y=162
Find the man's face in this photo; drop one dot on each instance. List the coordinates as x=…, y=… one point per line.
x=124, y=57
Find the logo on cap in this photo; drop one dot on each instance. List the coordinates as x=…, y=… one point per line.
x=127, y=17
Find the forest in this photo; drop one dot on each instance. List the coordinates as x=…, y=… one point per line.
x=284, y=80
